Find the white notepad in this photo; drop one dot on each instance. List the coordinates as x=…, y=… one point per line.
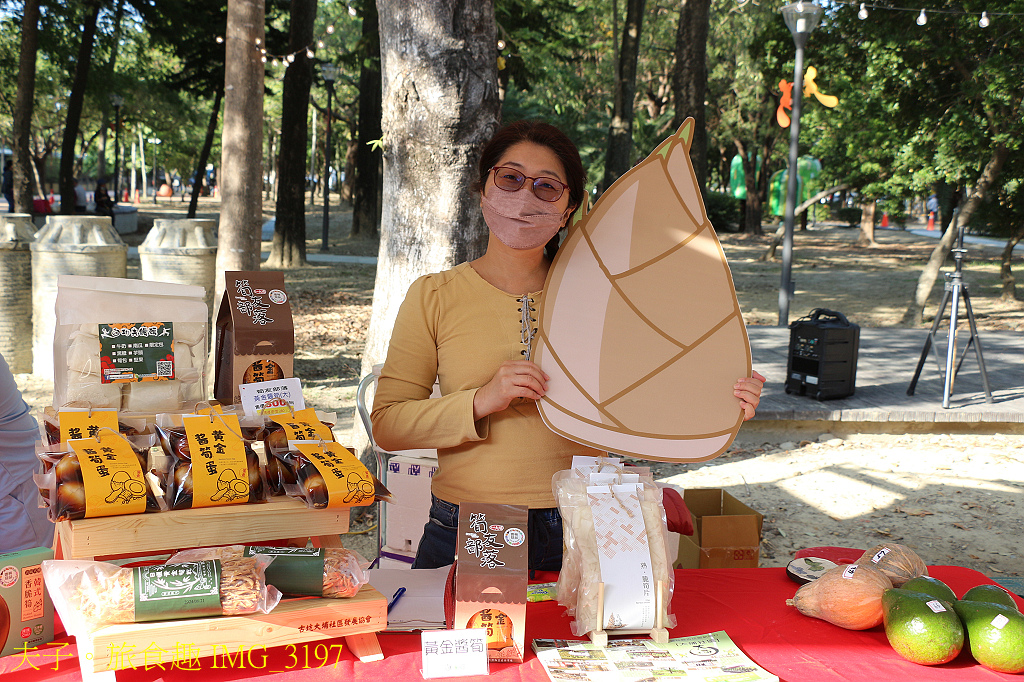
x=421, y=607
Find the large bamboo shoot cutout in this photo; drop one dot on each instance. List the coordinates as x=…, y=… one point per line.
x=640, y=329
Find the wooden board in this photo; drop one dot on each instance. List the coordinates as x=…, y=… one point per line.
x=280, y=517
x=293, y=621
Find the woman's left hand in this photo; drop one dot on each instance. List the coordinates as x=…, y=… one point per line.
x=748, y=390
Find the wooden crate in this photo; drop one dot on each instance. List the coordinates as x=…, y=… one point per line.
x=279, y=517
x=294, y=621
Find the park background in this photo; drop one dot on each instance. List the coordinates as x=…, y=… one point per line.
x=232, y=99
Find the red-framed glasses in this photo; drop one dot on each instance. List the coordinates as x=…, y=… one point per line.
x=511, y=180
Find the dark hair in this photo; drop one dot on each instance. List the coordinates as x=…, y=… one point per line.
x=543, y=134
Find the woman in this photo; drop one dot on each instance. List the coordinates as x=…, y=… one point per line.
x=467, y=327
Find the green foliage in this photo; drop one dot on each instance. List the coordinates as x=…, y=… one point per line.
x=723, y=211
x=849, y=215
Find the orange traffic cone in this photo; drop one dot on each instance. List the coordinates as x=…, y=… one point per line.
x=885, y=220
x=931, y=220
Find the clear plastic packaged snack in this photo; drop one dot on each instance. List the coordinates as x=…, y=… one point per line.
x=333, y=572
x=224, y=469
x=90, y=594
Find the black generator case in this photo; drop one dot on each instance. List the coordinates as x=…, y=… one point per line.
x=822, y=355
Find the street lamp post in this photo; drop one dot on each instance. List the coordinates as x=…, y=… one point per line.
x=329, y=72
x=117, y=101
x=801, y=18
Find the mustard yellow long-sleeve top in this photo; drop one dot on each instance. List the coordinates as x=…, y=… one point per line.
x=457, y=327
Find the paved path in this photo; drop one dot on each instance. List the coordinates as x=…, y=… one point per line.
x=886, y=363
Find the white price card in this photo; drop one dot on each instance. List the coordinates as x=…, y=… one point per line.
x=266, y=398
x=454, y=653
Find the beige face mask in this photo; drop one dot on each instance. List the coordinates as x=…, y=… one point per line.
x=519, y=219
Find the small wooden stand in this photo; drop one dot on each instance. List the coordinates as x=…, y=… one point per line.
x=293, y=621
x=659, y=633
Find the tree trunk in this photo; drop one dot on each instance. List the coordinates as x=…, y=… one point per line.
x=366, y=188
x=914, y=314
x=1005, y=273
x=23, y=159
x=867, y=224
x=240, y=176
x=101, y=146
x=752, y=205
x=288, y=249
x=76, y=101
x=440, y=106
x=690, y=80
x=618, y=158
x=204, y=155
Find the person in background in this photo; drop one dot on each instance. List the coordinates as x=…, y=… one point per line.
x=104, y=206
x=8, y=185
x=81, y=201
x=467, y=327
x=22, y=523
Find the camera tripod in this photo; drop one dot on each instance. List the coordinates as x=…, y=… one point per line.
x=955, y=289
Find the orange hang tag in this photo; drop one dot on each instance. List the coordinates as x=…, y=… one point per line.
x=111, y=475
x=212, y=409
x=303, y=425
x=220, y=474
x=84, y=423
x=348, y=482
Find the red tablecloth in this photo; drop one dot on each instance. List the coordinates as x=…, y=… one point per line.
x=748, y=603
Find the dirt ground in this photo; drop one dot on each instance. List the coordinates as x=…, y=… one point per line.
x=955, y=499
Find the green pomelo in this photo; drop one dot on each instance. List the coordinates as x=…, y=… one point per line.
x=990, y=593
x=996, y=634
x=921, y=628
x=932, y=586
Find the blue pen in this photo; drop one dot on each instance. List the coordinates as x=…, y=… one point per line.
x=395, y=597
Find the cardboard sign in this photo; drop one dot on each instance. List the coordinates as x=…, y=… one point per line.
x=255, y=338
x=454, y=653
x=491, y=576
x=267, y=398
x=640, y=328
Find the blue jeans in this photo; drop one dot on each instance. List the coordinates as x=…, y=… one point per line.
x=438, y=544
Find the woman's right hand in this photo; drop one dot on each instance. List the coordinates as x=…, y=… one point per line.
x=514, y=379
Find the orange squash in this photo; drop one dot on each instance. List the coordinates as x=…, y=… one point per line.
x=848, y=596
x=899, y=562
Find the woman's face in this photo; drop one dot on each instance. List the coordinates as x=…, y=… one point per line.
x=534, y=161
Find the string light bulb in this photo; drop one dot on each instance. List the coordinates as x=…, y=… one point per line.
x=501, y=44
x=220, y=39
x=290, y=58
x=309, y=53
x=351, y=11
x=922, y=19
x=330, y=30
x=863, y=13
x=983, y=22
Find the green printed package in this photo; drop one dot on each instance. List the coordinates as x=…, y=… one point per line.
x=190, y=590
x=294, y=570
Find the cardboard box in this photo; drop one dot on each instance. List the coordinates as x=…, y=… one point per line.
x=255, y=337
x=491, y=576
x=727, y=533
x=26, y=612
x=409, y=482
